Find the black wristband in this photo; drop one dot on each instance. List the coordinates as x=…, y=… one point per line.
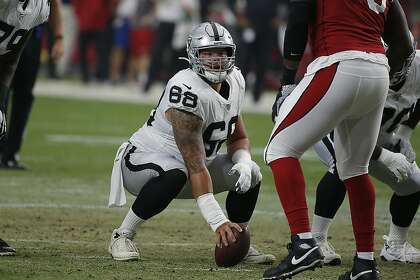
x=288, y=76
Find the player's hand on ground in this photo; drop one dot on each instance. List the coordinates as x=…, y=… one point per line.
x=284, y=92
x=397, y=163
x=224, y=234
x=3, y=124
x=245, y=175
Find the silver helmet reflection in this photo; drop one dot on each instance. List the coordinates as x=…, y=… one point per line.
x=210, y=35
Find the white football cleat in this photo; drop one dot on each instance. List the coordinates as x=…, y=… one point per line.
x=255, y=257
x=121, y=247
x=330, y=256
x=399, y=250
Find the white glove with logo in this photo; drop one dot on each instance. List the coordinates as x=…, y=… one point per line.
x=245, y=175
x=284, y=92
x=397, y=163
x=249, y=172
x=2, y=124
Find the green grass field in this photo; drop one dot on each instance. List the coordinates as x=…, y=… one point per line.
x=55, y=213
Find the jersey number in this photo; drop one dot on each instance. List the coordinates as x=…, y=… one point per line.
x=213, y=146
x=188, y=99
x=6, y=32
x=389, y=113
x=376, y=7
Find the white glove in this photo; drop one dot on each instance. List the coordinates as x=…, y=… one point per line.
x=284, y=92
x=397, y=163
x=256, y=173
x=245, y=175
x=2, y=124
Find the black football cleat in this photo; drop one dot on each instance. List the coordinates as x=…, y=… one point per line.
x=11, y=163
x=304, y=254
x=362, y=270
x=5, y=249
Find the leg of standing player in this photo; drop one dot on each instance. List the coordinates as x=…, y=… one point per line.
x=321, y=101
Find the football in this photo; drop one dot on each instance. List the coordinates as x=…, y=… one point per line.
x=231, y=255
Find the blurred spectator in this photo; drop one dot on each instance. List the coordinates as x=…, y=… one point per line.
x=141, y=39
x=257, y=26
x=122, y=25
x=70, y=29
x=168, y=14
x=93, y=17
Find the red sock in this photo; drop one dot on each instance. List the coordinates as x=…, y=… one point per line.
x=290, y=185
x=362, y=207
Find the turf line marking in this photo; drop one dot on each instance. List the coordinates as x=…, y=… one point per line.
x=111, y=140
x=145, y=244
x=99, y=207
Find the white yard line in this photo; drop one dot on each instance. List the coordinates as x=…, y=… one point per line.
x=142, y=244
x=112, y=140
x=382, y=217
x=102, y=207
x=129, y=93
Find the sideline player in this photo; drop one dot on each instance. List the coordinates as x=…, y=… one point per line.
x=17, y=20
x=175, y=153
x=344, y=89
x=400, y=116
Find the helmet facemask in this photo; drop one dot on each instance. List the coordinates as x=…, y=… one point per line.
x=215, y=69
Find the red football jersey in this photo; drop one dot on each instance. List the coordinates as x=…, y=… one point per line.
x=345, y=25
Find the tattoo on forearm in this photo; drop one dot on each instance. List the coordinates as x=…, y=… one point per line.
x=187, y=130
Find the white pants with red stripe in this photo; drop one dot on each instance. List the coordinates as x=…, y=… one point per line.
x=348, y=97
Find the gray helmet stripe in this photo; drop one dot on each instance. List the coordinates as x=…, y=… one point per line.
x=216, y=34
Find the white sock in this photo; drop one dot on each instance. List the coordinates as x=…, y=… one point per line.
x=320, y=227
x=305, y=235
x=397, y=233
x=365, y=255
x=130, y=223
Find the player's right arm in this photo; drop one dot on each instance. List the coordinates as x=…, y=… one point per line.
x=187, y=130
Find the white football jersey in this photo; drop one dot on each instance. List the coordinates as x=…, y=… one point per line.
x=399, y=104
x=187, y=91
x=17, y=17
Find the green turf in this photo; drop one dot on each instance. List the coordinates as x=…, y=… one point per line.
x=55, y=213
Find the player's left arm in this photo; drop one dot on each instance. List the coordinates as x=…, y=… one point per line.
x=404, y=131
x=238, y=149
x=56, y=24
x=295, y=40
x=413, y=119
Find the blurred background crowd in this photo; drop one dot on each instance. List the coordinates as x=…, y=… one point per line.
x=117, y=41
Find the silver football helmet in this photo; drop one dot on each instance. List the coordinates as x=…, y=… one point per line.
x=209, y=35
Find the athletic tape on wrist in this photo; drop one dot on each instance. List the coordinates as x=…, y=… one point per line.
x=211, y=210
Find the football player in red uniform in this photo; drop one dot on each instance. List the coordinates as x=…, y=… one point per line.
x=344, y=90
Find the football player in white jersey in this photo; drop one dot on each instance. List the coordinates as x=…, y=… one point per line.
x=17, y=19
x=175, y=153
x=393, y=155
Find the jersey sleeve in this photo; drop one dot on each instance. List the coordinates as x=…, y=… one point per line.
x=180, y=96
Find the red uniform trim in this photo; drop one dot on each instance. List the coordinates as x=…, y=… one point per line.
x=316, y=89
